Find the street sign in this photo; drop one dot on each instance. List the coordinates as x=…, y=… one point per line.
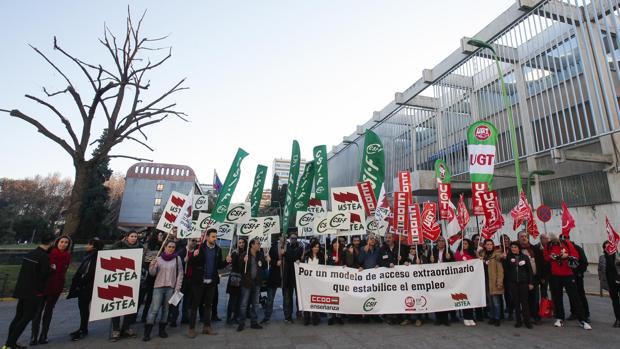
x=544, y=213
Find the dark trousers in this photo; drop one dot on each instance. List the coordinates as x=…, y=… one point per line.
x=287, y=294
x=146, y=296
x=202, y=297
x=519, y=295
x=43, y=316
x=581, y=293
x=24, y=313
x=442, y=317
x=534, y=301
x=84, y=306
x=232, y=309
x=558, y=284
x=214, y=304
x=508, y=301
x=468, y=314
x=614, y=294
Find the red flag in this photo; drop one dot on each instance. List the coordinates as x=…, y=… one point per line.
x=477, y=189
x=520, y=212
x=368, y=197
x=568, y=222
x=612, y=237
x=413, y=233
x=532, y=228
x=462, y=216
x=445, y=193
x=493, y=219
x=453, y=229
x=430, y=227
x=400, y=212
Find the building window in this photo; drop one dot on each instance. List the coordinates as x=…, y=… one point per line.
x=157, y=201
x=580, y=190
x=160, y=187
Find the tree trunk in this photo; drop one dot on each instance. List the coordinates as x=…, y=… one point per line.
x=80, y=184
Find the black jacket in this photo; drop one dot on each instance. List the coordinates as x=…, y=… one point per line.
x=519, y=269
x=246, y=273
x=583, y=261
x=388, y=256
x=611, y=270
x=448, y=256
x=291, y=255
x=33, y=274
x=274, y=277
x=351, y=260
x=197, y=263
x=84, y=277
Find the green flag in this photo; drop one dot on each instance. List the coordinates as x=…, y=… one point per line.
x=232, y=178
x=373, y=162
x=302, y=195
x=293, y=173
x=481, y=140
x=257, y=189
x=442, y=172
x=321, y=187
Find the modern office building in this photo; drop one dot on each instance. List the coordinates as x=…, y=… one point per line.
x=561, y=62
x=281, y=168
x=147, y=189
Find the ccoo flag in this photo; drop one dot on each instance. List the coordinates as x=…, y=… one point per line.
x=232, y=178
x=257, y=188
x=372, y=168
x=293, y=173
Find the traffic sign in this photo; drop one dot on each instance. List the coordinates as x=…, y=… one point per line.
x=544, y=213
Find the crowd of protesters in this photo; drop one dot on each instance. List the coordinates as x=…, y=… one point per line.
x=519, y=277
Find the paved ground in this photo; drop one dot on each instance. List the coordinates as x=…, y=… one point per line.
x=279, y=335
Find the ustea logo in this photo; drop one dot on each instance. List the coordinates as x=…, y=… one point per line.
x=369, y=304
x=482, y=132
x=460, y=299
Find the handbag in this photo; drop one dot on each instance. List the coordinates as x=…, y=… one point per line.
x=234, y=279
x=546, y=308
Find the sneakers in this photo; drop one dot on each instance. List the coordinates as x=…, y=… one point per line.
x=586, y=326
x=116, y=335
x=256, y=326
x=191, y=333
x=405, y=322
x=129, y=333
x=558, y=323
x=418, y=323
x=468, y=323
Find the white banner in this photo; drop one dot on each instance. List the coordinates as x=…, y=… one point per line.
x=171, y=211
x=238, y=213
x=403, y=289
x=117, y=283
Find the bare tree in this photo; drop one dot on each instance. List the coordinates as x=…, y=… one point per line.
x=115, y=92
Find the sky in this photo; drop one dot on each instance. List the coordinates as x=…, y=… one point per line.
x=260, y=73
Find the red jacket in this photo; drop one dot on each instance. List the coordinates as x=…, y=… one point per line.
x=56, y=282
x=559, y=267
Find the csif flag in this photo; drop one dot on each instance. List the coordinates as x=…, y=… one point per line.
x=257, y=189
x=232, y=178
x=321, y=186
x=304, y=188
x=293, y=173
x=372, y=168
x=481, y=141
x=568, y=222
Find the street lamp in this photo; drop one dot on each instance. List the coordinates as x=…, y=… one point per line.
x=531, y=175
x=511, y=123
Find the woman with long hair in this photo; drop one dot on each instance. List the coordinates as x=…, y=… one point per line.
x=60, y=258
x=466, y=252
x=336, y=257
x=521, y=278
x=611, y=268
x=494, y=275
x=315, y=257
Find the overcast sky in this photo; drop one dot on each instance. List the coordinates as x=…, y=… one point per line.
x=261, y=73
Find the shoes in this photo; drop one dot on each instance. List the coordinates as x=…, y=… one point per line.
x=191, y=333
x=468, y=323
x=418, y=323
x=264, y=321
x=405, y=322
x=147, y=332
x=77, y=335
x=256, y=326
x=330, y=322
x=116, y=335
x=162, y=330
x=240, y=327
x=340, y=320
x=289, y=321
x=558, y=323
x=208, y=331
x=306, y=322
x=129, y=333
x=518, y=324
x=617, y=324
x=33, y=341
x=529, y=325
x=586, y=326
x=215, y=318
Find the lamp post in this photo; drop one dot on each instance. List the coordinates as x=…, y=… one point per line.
x=511, y=123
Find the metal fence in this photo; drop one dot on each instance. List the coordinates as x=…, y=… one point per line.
x=561, y=66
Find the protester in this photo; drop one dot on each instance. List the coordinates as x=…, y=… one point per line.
x=611, y=269
x=441, y=254
x=509, y=308
x=521, y=279
x=252, y=265
x=388, y=258
x=313, y=256
x=413, y=256
x=82, y=285
x=60, y=259
x=466, y=252
x=545, y=269
x=175, y=310
x=274, y=276
x=168, y=272
x=124, y=330
x=153, y=245
x=233, y=287
x=291, y=253
x=31, y=281
x=369, y=255
x=579, y=272
x=537, y=261
x=205, y=262
x=336, y=257
x=494, y=275
x=352, y=253
x=192, y=245
x=561, y=254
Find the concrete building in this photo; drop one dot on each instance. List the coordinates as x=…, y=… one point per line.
x=562, y=70
x=147, y=189
x=281, y=168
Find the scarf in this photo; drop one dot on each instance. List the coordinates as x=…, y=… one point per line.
x=168, y=257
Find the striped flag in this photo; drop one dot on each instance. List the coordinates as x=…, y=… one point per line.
x=217, y=184
x=612, y=237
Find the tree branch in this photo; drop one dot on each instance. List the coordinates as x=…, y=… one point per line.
x=60, y=116
x=130, y=157
x=42, y=129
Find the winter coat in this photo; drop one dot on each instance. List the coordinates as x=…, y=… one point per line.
x=167, y=273
x=56, y=283
x=246, y=273
x=369, y=259
x=494, y=271
x=292, y=254
x=335, y=258
x=236, y=268
x=197, y=264
x=33, y=275
x=351, y=260
x=84, y=278
x=519, y=269
x=388, y=256
x=583, y=262
x=612, y=271
x=559, y=266
x=274, y=274
x=448, y=256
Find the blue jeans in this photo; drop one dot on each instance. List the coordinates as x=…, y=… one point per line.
x=495, y=306
x=161, y=297
x=271, y=294
x=249, y=296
